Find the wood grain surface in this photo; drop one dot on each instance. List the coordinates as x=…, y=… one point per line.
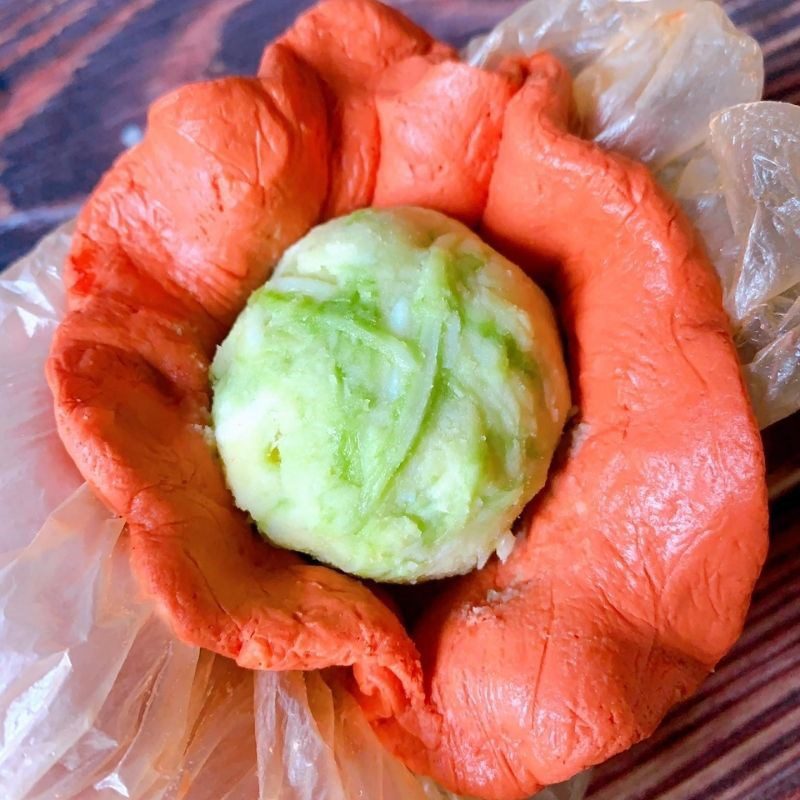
x=76, y=77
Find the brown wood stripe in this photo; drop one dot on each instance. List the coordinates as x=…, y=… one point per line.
x=18, y=42
x=777, y=762
x=16, y=17
x=721, y=779
x=34, y=91
x=14, y=26
x=779, y=662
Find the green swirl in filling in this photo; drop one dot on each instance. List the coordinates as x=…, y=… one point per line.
x=391, y=398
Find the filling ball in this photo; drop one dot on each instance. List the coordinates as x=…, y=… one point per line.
x=391, y=398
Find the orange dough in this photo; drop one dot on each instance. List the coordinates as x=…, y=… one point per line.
x=634, y=567
x=350, y=43
x=428, y=113
x=167, y=250
x=637, y=562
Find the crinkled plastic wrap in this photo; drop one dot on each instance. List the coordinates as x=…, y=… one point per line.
x=35, y=467
x=743, y=189
x=648, y=75
x=97, y=700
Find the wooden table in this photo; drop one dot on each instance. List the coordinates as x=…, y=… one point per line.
x=76, y=77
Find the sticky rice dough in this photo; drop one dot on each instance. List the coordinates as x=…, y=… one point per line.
x=391, y=399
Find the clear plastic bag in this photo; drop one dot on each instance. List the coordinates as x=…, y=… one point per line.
x=649, y=74
x=743, y=188
x=89, y=678
x=35, y=467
